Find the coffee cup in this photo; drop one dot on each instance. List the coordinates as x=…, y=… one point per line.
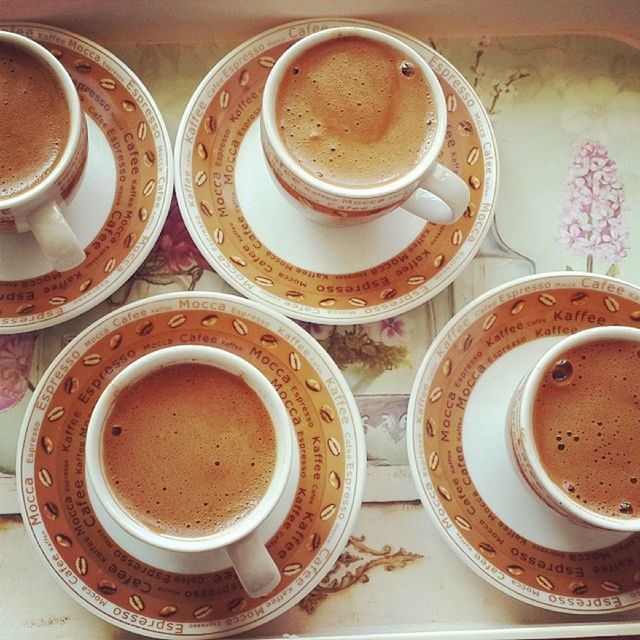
x=573, y=427
x=43, y=147
x=352, y=123
x=189, y=451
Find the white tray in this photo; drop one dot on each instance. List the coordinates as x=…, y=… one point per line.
x=425, y=591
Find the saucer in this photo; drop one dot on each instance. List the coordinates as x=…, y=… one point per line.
x=458, y=448
x=121, y=202
x=261, y=246
x=121, y=588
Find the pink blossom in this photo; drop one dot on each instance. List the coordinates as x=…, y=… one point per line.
x=318, y=331
x=176, y=245
x=390, y=331
x=16, y=353
x=591, y=223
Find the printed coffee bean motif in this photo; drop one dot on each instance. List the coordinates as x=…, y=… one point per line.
x=334, y=480
x=106, y=81
x=268, y=340
x=62, y=540
x=236, y=605
x=51, y=510
x=47, y=445
x=202, y=612
x=611, y=304
x=292, y=569
x=545, y=583
x=206, y=209
x=529, y=315
x=106, y=587
x=243, y=335
x=110, y=89
x=45, y=477
x=487, y=549
x=177, y=321
x=463, y=523
x=136, y=602
x=55, y=414
x=222, y=93
x=210, y=124
x=110, y=265
x=108, y=84
x=82, y=566
x=209, y=321
x=313, y=542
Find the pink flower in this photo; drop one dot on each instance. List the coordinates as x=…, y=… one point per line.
x=318, y=331
x=390, y=331
x=591, y=223
x=16, y=353
x=175, y=243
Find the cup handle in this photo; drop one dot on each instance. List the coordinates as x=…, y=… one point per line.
x=441, y=197
x=55, y=237
x=257, y=572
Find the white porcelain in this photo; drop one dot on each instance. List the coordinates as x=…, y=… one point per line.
x=41, y=209
x=244, y=541
x=520, y=430
x=429, y=190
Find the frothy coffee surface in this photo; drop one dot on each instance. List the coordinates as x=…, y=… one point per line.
x=586, y=421
x=355, y=113
x=34, y=120
x=188, y=449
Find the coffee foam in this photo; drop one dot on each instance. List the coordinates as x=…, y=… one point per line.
x=355, y=113
x=586, y=422
x=188, y=450
x=34, y=120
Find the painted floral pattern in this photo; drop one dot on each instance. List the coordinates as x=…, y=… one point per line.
x=592, y=224
x=16, y=354
x=376, y=347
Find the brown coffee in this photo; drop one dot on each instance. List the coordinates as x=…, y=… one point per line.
x=586, y=422
x=34, y=120
x=355, y=112
x=188, y=450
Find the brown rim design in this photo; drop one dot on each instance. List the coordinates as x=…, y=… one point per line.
x=212, y=129
x=59, y=516
x=596, y=581
x=119, y=105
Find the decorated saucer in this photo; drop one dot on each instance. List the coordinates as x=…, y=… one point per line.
x=458, y=448
x=121, y=202
x=256, y=241
x=125, y=590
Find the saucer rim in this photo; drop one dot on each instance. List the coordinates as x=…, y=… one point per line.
x=323, y=314
x=414, y=454
x=154, y=226
x=359, y=459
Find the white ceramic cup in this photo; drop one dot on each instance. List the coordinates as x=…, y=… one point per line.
x=520, y=430
x=429, y=190
x=256, y=570
x=40, y=209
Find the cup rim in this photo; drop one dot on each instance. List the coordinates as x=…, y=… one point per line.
x=525, y=418
x=267, y=114
x=211, y=356
x=26, y=198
